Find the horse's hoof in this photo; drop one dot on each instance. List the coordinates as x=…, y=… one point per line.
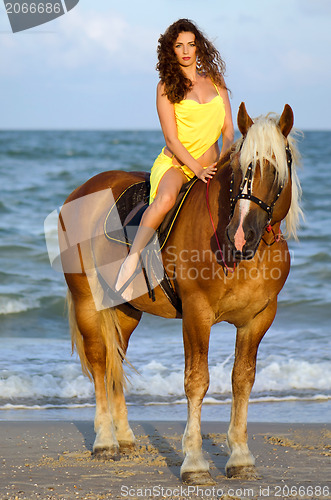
x=198, y=478
x=127, y=446
x=242, y=472
x=106, y=453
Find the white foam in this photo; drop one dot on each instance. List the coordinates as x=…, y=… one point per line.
x=52, y=374
x=282, y=375
x=155, y=366
x=9, y=305
x=67, y=384
x=208, y=400
x=8, y=407
x=272, y=375
x=157, y=384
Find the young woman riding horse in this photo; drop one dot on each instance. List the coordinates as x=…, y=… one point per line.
x=237, y=216
x=194, y=110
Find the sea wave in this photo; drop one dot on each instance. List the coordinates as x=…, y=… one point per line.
x=9, y=406
x=3, y=208
x=272, y=375
x=64, y=383
x=318, y=398
x=263, y=399
x=39, y=170
x=293, y=374
x=69, y=383
x=9, y=305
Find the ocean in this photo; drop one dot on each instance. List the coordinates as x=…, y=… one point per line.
x=40, y=379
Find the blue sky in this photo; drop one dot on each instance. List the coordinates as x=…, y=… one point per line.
x=94, y=68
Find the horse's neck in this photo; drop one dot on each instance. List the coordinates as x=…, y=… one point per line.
x=220, y=184
x=219, y=196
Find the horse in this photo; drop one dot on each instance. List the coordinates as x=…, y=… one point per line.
x=232, y=228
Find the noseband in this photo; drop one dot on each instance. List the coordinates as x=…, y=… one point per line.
x=249, y=196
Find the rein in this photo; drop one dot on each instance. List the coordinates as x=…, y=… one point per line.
x=277, y=237
x=226, y=268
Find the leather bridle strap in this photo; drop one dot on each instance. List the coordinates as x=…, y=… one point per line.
x=249, y=196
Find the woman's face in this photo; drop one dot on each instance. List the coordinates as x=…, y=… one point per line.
x=185, y=48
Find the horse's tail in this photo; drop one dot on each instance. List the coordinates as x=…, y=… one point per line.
x=111, y=334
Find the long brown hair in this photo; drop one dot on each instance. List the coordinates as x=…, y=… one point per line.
x=209, y=61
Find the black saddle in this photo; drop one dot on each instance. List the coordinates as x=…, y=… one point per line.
x=122, y=222
x=130, y=207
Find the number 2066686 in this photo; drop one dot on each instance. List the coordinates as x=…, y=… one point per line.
x=285, y=491
x=33, y=8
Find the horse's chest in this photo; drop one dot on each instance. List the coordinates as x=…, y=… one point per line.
x=239, y=303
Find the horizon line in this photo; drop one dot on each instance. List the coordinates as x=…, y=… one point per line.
x=120, y=129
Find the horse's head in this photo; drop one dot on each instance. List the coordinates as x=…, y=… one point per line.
x=264, y=181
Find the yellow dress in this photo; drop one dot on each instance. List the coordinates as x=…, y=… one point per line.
x=199, y=126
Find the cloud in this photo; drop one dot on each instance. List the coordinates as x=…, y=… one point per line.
x=106, y=40
x=298, y=62
x=82, y=39
x=275, y=52
x=317, y=8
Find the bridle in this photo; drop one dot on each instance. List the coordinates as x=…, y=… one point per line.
x=249, y=196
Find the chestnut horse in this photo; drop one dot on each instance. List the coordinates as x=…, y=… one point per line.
x=240, y=261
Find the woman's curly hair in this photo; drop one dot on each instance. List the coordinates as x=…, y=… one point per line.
x=209, y=61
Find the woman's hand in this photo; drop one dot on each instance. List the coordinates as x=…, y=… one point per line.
x=207, y=173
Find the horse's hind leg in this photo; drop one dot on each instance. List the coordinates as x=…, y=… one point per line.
x=85, y=325
x=241, y=462
x=96, y=337
x=128, y=319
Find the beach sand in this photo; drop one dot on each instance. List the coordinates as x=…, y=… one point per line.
x=52, y=460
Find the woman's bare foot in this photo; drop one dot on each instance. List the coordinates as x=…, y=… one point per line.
x=126, y=271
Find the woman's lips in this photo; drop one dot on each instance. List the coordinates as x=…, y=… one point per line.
x=186, y=58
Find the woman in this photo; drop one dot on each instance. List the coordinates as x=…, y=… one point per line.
x=194, y=110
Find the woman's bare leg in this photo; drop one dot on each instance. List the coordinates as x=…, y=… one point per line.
x=167, y=193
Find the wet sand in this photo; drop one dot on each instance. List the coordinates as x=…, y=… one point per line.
x=52, y=460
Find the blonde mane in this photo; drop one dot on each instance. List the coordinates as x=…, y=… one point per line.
x=264, y=142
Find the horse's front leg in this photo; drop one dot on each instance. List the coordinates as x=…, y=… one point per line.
x=196, y=331
x=241, y=463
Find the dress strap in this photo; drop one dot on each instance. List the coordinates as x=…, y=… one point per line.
x=216, y=88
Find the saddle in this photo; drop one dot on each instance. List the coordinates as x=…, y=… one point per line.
x=129, y=208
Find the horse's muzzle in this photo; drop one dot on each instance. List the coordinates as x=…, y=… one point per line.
x=244, y=241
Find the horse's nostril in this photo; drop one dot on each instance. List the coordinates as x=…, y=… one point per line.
x=250, y=235
x=248, y=254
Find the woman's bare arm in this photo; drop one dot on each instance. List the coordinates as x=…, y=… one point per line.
x=227, y=129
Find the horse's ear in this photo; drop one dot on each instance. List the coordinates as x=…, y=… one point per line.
x=286, y=120
x=243, y=119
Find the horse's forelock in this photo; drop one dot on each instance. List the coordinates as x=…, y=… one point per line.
x=264, y=142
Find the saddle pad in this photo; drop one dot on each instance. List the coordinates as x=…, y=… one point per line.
x=132, y=203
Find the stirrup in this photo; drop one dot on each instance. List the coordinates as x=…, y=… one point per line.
x=140, y=267
x=128, y=281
